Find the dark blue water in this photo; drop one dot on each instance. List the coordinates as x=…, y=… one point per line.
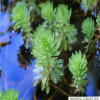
x=93, y=89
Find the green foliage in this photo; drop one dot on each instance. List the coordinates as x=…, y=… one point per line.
x=88, y=30
x=66, y=30
x=68, y=33
x=33, y=7
x=47, y=11
x=9, y=95
x=62, y=14
x=98, y=21
x=57, y=21
x=78, y=67
x=46, y=51
x=21, y=16
x=88, y=4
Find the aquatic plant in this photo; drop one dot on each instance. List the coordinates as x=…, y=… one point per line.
x=58, y=21
x=32, y=7
x=55, y=35
x=63, y=14
x=87, y=5
x=46, y=51
x=10, y=94
x=20, y=16
x=78, y=67
x=47, y=11
x=98, y=21
x=66, y=30
x=88, y=30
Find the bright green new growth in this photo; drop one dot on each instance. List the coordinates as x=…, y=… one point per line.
x=66, y=30
x=78, y=67
x=46, y=51
x=88, y=30
x=9, y=95
x=47, y=11
x=21, y=16
x=98, y=21
x=69, y=32
x=62, y=14
x=57, y=21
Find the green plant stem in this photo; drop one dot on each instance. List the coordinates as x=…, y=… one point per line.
x=89, y=65
x=86, y=51
x=66, y=66
x=51, y=97
x=66, y=82
x=60, y=90
x=27, y=31
x=81, y=15
x=77, y=11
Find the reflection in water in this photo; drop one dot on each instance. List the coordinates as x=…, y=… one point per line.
x=4, y=44
x=1, y=33
x=24, y=56
x=5, y=4
x=12, y=75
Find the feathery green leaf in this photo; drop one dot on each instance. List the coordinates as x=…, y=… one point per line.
x=78, y=67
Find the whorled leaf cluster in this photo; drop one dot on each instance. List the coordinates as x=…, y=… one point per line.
x=58, y=20
x=20, y=16
x=88, y=30
x=78, y=67
x=62, y=14
x=47, y=11
x=9, y=95
x=46, y=51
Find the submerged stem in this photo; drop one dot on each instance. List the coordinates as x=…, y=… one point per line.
x=60, y=90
